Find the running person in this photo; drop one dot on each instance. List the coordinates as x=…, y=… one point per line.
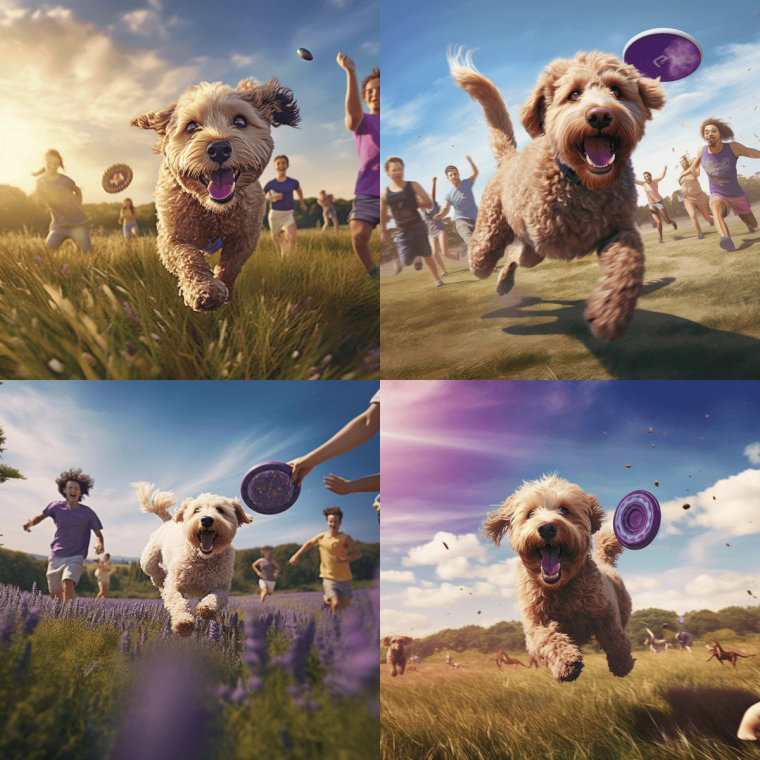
x=439, y=238
x=103, y=574
x=73, y=523
x=655, y=201
x=128, y=219
x=693, y=197
x=279, y=193
x=59, y=195
x=365, y=210
x=329, y=214
x=403, y=199
x=462, y=200
x=334, y=569
x=719, y=161
x=268, y=570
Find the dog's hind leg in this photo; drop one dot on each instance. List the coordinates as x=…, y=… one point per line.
x=610, y=308
x=617, y=646
x=491, y=236
x=208, y=607
x=521, y=256
x=150, y=562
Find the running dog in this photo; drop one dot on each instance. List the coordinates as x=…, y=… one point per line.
x=504, y=659
x=396, y=655
x=655, y=645
x=215, y=143
x=571, y=191
x=191, y=554
x=717, y=651
x=567, y=593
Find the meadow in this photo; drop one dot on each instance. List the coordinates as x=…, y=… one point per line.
x=114, y=313
x=91, y=680
x=672, y=706
x=698, y=317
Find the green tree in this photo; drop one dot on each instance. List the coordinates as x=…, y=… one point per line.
x=6, y=472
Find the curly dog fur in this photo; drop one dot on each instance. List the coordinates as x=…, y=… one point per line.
x=571, y=191
x=566, y=592
x=396, y=654
x=215, y=143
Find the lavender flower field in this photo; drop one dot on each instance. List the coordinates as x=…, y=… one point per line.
x=107, y=679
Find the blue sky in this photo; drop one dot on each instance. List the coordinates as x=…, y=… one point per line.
x=83, y=70
x=421, y=104
x=184, y=436
x=454, y=450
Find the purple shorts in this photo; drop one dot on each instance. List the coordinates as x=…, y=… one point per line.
x=366, y=208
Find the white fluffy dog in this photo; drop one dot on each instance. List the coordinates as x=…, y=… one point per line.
x=191, y=554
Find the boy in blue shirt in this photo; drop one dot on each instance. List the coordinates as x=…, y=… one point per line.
x=279, y=193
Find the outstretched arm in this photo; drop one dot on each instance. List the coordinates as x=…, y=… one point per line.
x=445, y=210
x=99, y=549
x=662, y=176
x=475, y=171
x=341, y=486
x=743, y=150
x=29, y=524
x=312, y=542
x=638, y=181
x=354, y=110
x=432, y=195
x=423, y=200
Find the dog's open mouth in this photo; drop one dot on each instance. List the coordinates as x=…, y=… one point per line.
x=551, y=570
x=599, y=153
x=206, y=540
x=221, y=184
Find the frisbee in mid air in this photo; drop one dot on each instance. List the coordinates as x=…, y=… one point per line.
x=267, y=488
x=681, y=620
x=305, y=54
x=116, y=178
x=637, y=520
x=665, y=53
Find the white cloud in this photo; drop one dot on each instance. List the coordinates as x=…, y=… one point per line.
x=242, y=60
x=753, y=452
x=633, y=583
x=710, y=585
x=397, y=576
x=407, y=623
x=434, y=552
x=371, y=47
x=445, y=595
x=144, y=22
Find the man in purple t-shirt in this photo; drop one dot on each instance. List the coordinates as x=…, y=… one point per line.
x=73, y=523
x=365, y=210
x=279, y=193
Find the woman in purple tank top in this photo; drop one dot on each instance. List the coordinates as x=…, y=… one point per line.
x=718, y=159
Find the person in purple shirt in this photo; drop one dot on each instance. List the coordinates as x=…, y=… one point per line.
x=365, y=210
x=73, y=523
x=279, y=193
x=718, y=159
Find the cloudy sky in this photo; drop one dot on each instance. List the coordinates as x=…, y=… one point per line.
x=186, y=437
x=76, y=74
x=454, y=450
x=430, y=122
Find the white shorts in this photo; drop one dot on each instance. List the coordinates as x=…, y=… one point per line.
x=62, y=569
x=279, y=220
x=268, y=585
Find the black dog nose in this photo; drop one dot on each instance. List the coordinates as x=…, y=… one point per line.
x=599, y=117
x=207, y=522
x=219, y=152
x=547, y=531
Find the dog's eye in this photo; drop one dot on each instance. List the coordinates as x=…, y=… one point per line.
x=530, y=514
x=239, y=121
x=575, y=95
x=193, y=126
x=616, y=92
x=220, y=510
x=563, y=511
x=196, y=510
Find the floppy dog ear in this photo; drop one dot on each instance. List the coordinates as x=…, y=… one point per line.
x=179, y=512
x=276, y=104
x=595, y=513
x=242, y=516
x=498, y=523
x=407, y=640
x=153, y=120
x=386, y=642
x=652, y=94
x=533, y=112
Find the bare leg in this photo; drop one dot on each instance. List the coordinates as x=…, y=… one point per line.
x=291, y=232
x=335, y=223
x=668, y=221
x=658, y=222
x=360, y=234
x=693, y=216
x=100, y=595
x=437, y=254
x=68, y=590
x=444, y=238
x=720, y=212
x=430, y=264
x=705, y=211
x=57, y=594
x=334, y=603
x=749, y=220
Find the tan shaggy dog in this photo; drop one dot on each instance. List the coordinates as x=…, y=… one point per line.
x=571, y=191
x=567, y=594
x=396, y=655
x=215, y=142
x=191, y=554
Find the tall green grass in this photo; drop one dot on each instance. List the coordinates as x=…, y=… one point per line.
x=480, y=713
x=114, y=313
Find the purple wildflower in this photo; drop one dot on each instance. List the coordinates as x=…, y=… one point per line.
x=21, y=668
x=6, y=628
x=39, y=260
x=255, y=684
x=32, y=619
x=239, y=694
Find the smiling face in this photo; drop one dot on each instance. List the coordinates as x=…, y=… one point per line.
x=73, y=491
x=371, y=95
x=210, y=522
x=711, y=134
x=333, y=522
x=281, y=165
x=52, y=162
x=550, y=522
x=593, y=108
x=647, y=177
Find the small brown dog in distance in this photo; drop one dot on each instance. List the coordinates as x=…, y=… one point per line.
x=396, y=656
x=717, y=651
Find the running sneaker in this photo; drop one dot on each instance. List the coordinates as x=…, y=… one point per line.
x=750, y=229
x=418, y=263
x=444, y=273
x=712, y=224
x=700, y=236
x=727, y=244
x=675, y=226
x=438, y=283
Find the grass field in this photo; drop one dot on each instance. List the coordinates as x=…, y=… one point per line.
x=672, y=706
x=698, y=318
x=114, y=313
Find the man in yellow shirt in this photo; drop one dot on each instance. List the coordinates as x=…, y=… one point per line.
x=336, y=551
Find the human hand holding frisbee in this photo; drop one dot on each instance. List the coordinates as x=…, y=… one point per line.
x=637, y=520
x=665, y=53
x=267, y=488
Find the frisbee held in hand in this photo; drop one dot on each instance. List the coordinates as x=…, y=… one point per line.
x=267, y=488
x=665, y=53
x=637, y=520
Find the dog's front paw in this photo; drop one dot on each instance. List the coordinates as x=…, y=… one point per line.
x=207, y=296
x=604, y=321
x=205, y=612
x=621, y=668
x=184, y=625
x=506, y=280
x=569, y=671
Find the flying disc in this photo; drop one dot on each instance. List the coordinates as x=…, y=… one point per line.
x=267, y=488
x=116, y=178
x=665, y=53
x=637, y=520
x=681, y=621
x=305, y=54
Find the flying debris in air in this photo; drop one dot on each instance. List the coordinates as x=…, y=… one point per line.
x=445, y=544
x=686, y=506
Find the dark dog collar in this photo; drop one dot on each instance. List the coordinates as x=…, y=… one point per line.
x=569, y=174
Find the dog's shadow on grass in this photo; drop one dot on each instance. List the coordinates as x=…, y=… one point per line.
x=657, y=346
x=697, y=712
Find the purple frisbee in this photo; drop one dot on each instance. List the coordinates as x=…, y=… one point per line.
x=665, y=53
x=637, y=520
x=267, y=488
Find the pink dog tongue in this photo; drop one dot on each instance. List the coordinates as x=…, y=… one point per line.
x=598, y=150
x=207, y=540
x=221, y=184
x=550, y=560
